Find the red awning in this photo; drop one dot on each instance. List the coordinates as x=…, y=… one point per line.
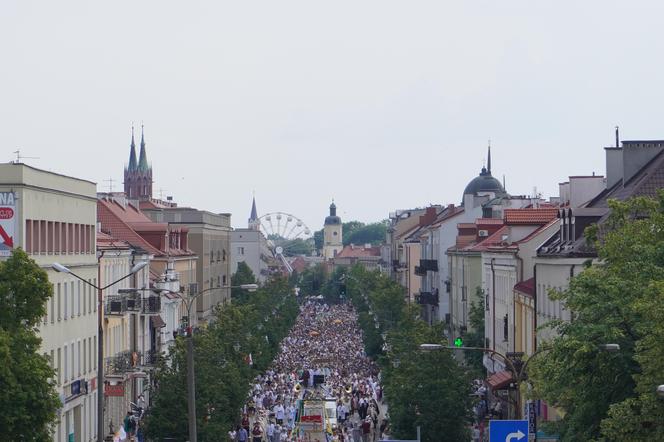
x=157, y=322
x=499, y=380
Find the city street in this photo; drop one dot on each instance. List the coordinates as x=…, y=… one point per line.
x=322, y=360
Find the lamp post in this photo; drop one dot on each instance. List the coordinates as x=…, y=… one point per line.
x=513, y=362
x=100, y=334
x=191, y=380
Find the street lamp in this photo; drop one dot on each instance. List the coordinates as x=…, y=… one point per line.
x=100, y=334
x=660, y=390
x=191, y=380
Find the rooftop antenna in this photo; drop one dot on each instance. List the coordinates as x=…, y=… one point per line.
x=20, y=157
x=617, y=136
x=110, y=184
x=161, y=193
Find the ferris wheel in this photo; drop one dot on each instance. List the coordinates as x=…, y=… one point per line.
x=282, y=229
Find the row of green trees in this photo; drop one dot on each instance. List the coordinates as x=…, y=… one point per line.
x=612, y=396
x=253, y=324
x=429, y=390
x=28, y=399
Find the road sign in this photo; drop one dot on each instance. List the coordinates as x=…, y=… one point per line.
x=508, y=431
x=8, y=217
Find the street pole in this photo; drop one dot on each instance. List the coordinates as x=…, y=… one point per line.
x=100, y=363
x=191, y=383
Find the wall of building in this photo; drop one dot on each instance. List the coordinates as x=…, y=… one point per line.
x=250, y=247
x=69, y=330
x=466, y=278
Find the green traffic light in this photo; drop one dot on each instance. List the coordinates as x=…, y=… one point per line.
x=458, y=342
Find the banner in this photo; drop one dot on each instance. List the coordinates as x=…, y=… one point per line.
x=8, y=217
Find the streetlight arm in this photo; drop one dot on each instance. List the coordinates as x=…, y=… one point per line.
x=114, y=282
x=85, y=281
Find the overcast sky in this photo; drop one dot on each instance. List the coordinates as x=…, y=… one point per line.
x=377, y=104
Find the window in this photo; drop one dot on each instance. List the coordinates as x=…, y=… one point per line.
x=78, y=300
x=223, y=255
x=78, y=357
x=52, y=305
x=49, y=235
x=85, y=356
x=505, y=329
x=66, y=365
x=94, y=282
x=42, y=237
x=56, y=238
x=72, y=298
x=218, y=281
x=223, y=280
x=71, y=351
x=85, y=297
x=59, y=370
x=66, y=301
x=240, y=250
x=28, y=235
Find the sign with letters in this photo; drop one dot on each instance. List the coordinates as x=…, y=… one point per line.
x=8, y=216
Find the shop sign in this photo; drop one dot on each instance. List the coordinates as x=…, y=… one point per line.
x=116, y=390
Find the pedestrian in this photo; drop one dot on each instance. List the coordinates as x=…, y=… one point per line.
x=242, y=435
x=270, y=432
x=129, y=424
x=257, y=433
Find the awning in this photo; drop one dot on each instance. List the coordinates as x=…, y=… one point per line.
x=157, y=322
x=499, y=380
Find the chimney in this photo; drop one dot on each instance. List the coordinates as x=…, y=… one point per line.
x=428, y=216
x=637, y=154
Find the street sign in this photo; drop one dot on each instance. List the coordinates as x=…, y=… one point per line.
x=508, y=431
x=8, y=217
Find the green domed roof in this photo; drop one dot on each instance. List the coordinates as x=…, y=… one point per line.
x=484, y=183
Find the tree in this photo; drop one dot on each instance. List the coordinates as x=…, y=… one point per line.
x=243, y=275
x=28, y=399
x=475, y=336
x=373, y=234
x=611, y=396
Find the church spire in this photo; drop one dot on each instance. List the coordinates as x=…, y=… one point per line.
x=132, y=152
x=143, y=158
x=488, y=159
x=253, y=222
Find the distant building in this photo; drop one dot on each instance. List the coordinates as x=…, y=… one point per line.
x=209, y=236
x=250, y=246
x=54, y=219
x=332, y=234
x=366, y=255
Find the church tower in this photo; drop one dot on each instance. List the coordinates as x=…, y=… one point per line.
x=254, y=223
x=138, y=174
x=332, y=234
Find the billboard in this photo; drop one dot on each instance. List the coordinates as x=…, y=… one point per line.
x=8, y=216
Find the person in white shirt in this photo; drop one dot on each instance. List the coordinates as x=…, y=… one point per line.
x=270, y=432
x=279, y=413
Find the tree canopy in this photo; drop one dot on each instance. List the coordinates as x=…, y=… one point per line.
x=357, y=232
x=611, y=396
x=28, y=399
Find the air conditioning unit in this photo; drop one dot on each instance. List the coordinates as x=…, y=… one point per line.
x=482, y=233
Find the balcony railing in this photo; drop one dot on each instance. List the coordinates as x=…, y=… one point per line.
x=115, y=305
x=121, y=363
x=427, y=298
x=419, y=271
x=151, y=305
x=429, y=265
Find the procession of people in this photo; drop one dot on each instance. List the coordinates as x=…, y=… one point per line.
x=323, y=354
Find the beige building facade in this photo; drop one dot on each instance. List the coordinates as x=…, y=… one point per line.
x=55, y=219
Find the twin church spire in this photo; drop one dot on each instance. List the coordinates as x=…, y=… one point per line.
x=142, y=163
x=138, y=174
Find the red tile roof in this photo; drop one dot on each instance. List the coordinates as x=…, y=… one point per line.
x=492, y=240
x=106, y=242
x=489, y=221
x=529, y=216
x=353, y=251
x=526, y=287
x=125, y=223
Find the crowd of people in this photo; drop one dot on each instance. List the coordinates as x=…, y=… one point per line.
x=322, y=356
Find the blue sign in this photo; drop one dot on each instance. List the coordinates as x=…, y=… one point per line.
x=508, y=431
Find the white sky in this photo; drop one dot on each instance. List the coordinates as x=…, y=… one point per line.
x=379, y=104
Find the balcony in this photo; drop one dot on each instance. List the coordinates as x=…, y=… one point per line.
x=115, y=305
x=151, y=305
x=121, y=363
x=429, y=265
x=427, y=298
x=419, y=271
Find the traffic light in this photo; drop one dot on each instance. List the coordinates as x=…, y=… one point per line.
x=458, y=342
